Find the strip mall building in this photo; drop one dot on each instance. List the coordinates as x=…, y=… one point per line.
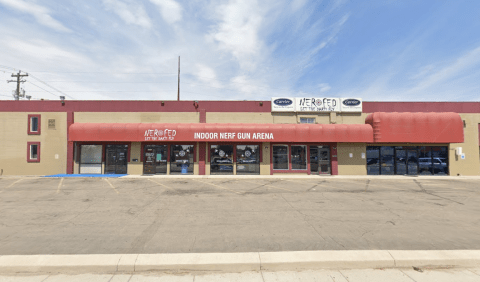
x=281, y=136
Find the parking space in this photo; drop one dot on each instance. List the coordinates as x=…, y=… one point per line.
x=158, y=215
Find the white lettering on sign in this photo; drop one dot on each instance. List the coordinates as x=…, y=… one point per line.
x=159, y=134
x=233, y=135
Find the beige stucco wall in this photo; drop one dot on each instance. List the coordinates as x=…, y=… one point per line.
x=135, y=168
x=356, y=165
x=471, y=164
x=14, y=137
x=136, y=117
x=216, y=117
x=265, y=161
x=207, y=163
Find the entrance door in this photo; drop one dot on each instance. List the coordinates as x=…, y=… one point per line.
x=116, y=159
x=320, y=160
x=155, y=159
x=149, y=161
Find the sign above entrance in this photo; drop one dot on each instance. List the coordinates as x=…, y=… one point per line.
x=220, y=132
x=316, y=104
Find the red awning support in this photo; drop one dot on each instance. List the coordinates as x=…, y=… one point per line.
x=416, y=127
x=220, y=132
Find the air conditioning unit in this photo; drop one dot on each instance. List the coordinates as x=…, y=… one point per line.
x=458, y=151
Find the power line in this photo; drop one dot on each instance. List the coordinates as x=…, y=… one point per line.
x=52, y=87
x=42, y=89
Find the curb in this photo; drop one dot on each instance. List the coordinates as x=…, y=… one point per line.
x=236, y=262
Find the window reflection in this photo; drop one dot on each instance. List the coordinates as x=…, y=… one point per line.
x=280, y=157
x=248, y=159
x=299, y=157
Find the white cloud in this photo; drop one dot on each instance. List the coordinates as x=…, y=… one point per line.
x=41, y=14
x=297, y=4
x=207, y=75
x=237, y=32
x=324, y=87
x=170, y=10
x=130, y=13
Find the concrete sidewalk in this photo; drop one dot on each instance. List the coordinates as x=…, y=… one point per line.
x=347, y=275
x=277, y=176
x=237, y=262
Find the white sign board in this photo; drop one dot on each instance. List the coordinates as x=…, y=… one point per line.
x=282, y=104
x=317, y=104
x=351, y=105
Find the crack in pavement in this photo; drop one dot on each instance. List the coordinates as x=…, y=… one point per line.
x=429, y=193
x=305, y=220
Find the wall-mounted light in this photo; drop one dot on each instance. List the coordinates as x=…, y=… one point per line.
x=195, y=104
x=163, y=103
x=62, y=98
x=261, y=104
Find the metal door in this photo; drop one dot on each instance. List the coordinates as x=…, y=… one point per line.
x=116, y=159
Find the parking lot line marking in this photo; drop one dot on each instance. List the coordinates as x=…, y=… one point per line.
x=11, y=185
x=218, y=186
x=161, y=184
x=111, y=185
x=273, y=186
x=59, y=185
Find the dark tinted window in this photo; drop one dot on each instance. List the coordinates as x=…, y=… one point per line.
x=280, y=157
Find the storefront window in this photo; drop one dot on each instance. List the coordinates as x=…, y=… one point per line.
x=407, y=160
x=181, y=159
x=387, y=160
x=425, y=161
x=373, y=160
x=440, y=160
x=91, y=159
x=280, y=157
x=248, y=159
x=221, y=159
x=299, y=157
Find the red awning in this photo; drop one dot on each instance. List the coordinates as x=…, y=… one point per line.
x=416, y=127
x=220, y=132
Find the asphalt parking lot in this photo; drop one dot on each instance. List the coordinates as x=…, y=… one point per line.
x=154, y=215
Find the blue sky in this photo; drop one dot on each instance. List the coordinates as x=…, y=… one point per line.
x=242, y=49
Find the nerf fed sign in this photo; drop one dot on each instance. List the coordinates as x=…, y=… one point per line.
x=316, y=104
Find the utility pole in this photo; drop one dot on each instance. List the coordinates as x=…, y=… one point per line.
x=178, y=89
x=18, y=81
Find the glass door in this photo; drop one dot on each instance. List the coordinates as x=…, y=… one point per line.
x=324, y=160
x=116, y=159
x=221, y=159
x=320, y=160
